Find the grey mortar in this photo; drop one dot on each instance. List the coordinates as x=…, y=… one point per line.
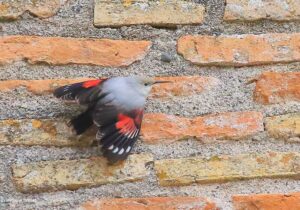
x=75, y=19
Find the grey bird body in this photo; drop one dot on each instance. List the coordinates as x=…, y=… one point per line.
x=126, y=93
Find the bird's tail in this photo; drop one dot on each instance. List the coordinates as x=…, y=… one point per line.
x=82, y=122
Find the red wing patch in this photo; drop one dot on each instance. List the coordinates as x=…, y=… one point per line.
x=118, y=141
x=125, y=125
x=72, y=91
x=130, y=125
x=91, y=83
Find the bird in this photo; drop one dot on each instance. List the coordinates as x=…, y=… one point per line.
x=115, y=105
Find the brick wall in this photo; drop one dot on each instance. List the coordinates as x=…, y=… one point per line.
x=224, y=135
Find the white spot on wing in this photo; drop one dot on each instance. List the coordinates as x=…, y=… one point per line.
x=128, y=149
x=97, y=124
x=115, y=150
x=111, y=147
x=121, y=151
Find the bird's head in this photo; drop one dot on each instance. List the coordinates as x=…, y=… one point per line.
x=145, y=84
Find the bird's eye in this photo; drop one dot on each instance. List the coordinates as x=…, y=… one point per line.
x=146, y=84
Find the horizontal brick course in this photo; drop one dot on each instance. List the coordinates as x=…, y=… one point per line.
x=273, y=87
x=284, y=127
x=267, y=201
x=162, y=128
x=37, y=87
x=73, y=174
x=247, y=10
x=157, y=13
x=185, y=171
x=150, y=203
x=62, y=51
x=240, y=50
x=11, y=10
x=180, y=86
x=156, y=128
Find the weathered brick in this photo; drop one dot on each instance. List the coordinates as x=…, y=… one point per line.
x=73, y=174
x=11, y=10
x=180, y=86
x=267, y=201
x=157, y=13
x=156, y=128
x=285, y=127
x=150, y=203
x=240, y=50
x=249, y=10
x=44, y=132
x=162, y=128
x=38, y=87
x=186, y=171
x=272, y=87
x=60, y=50
x=183, y=86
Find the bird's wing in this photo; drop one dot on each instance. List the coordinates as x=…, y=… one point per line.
x=83, y=92
x=118, y=130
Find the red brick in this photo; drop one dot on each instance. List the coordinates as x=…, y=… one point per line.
x=272, y=87
x=240, y=50
x=162, y=128
x=156, y=128
x=267, y=202
x=61, y=51
x=180, y=86
x=37, y=87
x=151, y=203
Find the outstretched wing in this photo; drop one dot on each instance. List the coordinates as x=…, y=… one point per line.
x=84, y=92
x=118, y=131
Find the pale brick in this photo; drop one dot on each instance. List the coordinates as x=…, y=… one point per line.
x=12, y=9
x=273, y=87
x=162, y=128
x=249, y=10
x=44, y=132
x=150, y=203
x=73, y=174
x=157, y=13
x=62, y=51
x=180, y=86
x=185, y=171
x=286, y=127
x=267, y=201
x=240, y=50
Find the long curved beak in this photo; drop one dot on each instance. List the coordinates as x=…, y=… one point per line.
x=157, y=82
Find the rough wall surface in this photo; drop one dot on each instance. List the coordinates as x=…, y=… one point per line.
x=28, y=170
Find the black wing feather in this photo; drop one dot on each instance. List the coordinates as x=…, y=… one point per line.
x=118, y=131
